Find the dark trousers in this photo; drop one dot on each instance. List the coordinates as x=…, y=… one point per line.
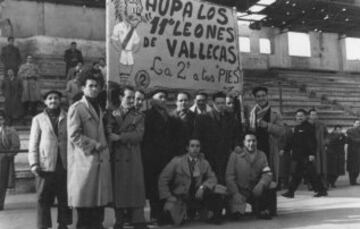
x=303, y=169
x=48, y=186
x=90, y=218
x=30, y=107
x=156, y=206
x=210, y=201
x=136, y=216
x=5, y=163
x=353, y=177
x=332, y=179
x=263, y=202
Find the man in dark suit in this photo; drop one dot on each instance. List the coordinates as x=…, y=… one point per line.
x=156, y=148
x=72, y=57
x=219, y=134
x=303, y=146
x=10, y=56
x=182, y=123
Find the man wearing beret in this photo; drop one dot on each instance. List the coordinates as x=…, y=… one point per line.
x=267, y=125
x=48, y=161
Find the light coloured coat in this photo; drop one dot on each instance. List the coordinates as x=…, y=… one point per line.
x=243, y=174
x=45, y=145
x=89, y=174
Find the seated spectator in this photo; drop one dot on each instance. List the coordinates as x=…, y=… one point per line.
x=9, y=140
x=73, y=89
x=74, y=71
x=186, y=186
x=248, y=178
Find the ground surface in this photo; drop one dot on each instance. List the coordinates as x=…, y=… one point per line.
x=341, y=209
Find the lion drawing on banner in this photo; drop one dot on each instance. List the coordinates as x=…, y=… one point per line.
x=128, y=15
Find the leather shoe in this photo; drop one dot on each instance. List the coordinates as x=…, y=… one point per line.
x=288, y=194
x=320, y=194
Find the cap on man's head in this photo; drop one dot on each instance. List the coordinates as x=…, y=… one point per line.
x=159, y=91
x=52, y=92
x=257, y=89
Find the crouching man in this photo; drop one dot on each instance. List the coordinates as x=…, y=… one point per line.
x=248, y=178
x=187, y=186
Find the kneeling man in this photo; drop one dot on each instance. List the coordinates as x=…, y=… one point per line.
x=248, y=179
x=187, y=184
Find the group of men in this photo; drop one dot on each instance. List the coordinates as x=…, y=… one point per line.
x=193, y=162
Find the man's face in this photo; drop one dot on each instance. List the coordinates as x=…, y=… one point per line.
x=11, y=42
x=79, y=66
x=229, y=103
x=10, y=73
x=194, y=147
x=300, y=117
x=357, y=123
x=337, y=130
x=219, y=104
x=182, y=102
x=127, y=101
x=29, y=59
x=313, y=116
x=52, y=101
x=102, y=62
x=250, y=142
x=91, y=88
x=139, y=100
x=73, y=46
x=261, y=98
x=200, y=101
x=160, y=98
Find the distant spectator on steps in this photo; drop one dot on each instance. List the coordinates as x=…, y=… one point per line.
x=10, y=56
x=72, y=57
x=31, y=97
x=12, y=90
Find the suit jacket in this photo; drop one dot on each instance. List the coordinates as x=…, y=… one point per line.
x=175, y=179
x=45, y=145
x=89, y=174
x=10, y=56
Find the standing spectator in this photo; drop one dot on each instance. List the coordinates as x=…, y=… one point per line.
x=267, y=125
x=248, y=178
x=353, y=152
x=139, y=100
x=75, y=71
x=12, y=89
x=218, y=134
x=336, y=155
x=200, y=104
x=183, y=121
x=89, y=173
x=48, y=161
x=30, y=73
x=10, y=56
x=303, y=146
x=73, y=89
x=189, y=190
x=285, y=159
x=102, y=67
x=72, y=57
x=125, y=128
x=321, y=142
x=9, y=140
x=156, y=148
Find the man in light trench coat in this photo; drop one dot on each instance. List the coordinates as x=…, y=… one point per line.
x=89, y=174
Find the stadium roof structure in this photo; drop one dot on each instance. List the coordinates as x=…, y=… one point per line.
x=335, y=16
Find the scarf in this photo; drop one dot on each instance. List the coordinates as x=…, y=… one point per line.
x=257, y=114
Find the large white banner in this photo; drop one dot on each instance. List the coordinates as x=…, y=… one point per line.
x=183, y=44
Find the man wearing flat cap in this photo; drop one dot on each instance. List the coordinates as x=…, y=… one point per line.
x=48, y=161
x=266, y=123
x=156, y=148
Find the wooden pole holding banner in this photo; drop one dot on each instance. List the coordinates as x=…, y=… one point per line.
x=107, y=51
x=240, y=96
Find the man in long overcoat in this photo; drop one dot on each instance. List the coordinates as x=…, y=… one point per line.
x=12, y=89
x=156, y=149
x=89, y=173
x=125, y=129
x=10, y=56
x=353, y=152
x=267, y=125
x=72, y=57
